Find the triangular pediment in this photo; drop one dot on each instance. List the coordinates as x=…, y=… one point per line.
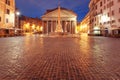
x=63, y=13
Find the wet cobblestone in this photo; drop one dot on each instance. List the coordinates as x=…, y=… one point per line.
x=59, y=58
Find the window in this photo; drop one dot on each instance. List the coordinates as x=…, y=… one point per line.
x=96, y=13
x=96, y=6
x=118, y=20
x=108, y=14
x=108, y=22
x=110, y=4
x=101, y=11
x=0, y=19
x=105, y=22
x=113, y=21
x=95, y=18
x=101, y=3
x=8, y=2
x=7, y=21
x=8, y=11
x=104, y=7
x=104, y=1
x=119, y=10
x=113, y=13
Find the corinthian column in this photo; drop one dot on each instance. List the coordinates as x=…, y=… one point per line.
x=47, y=27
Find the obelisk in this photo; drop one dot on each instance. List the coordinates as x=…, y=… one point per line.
x=59, y=27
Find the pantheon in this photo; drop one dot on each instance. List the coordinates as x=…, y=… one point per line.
x=68, y=20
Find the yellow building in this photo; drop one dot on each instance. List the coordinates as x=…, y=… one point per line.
x=7, y=17
x=83, y=26
x=30, y=25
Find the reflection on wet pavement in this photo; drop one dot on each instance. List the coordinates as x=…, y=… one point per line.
x=59, y=58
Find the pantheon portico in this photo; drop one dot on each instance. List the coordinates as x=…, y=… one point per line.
x=68, y=20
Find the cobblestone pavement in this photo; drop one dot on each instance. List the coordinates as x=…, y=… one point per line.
x=59, y=58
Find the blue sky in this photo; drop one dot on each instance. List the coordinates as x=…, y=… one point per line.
x=36, y=8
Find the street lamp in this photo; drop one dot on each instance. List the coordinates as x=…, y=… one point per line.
x=17, y=18
x=17, y=13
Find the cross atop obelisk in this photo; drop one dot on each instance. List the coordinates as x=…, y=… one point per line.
x=59, y=27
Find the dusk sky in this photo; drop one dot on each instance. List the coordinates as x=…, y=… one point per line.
x=36, y=8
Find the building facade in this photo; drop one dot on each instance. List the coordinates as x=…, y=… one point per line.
x=7, y=17
x=30, y=25
x=83, y=26
x=105, y=17
x=68, y=20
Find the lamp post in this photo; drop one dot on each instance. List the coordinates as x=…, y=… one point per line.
x=17, y=21
x=17, y=13
x=17, y=17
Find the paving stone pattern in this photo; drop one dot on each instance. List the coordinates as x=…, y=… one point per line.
x=59, y=58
